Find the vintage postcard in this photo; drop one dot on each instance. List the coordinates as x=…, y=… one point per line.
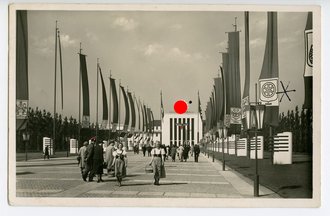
x=164, y=105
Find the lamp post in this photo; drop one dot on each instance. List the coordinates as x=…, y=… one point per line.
x=213, y=143
x=223, y=135
x=255, y=119
x=26, y=138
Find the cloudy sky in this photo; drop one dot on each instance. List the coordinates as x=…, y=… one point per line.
x=176, y=52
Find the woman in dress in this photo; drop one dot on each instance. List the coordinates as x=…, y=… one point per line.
x=120, y=163
x=157, y=162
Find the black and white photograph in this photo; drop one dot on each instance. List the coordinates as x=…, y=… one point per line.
x=164, y=105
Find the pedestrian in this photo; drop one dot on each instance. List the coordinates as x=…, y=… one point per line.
x=80, y=157
x=88, y=157
x=149, y=148
x=180, y=152
x=191, y=147
x=157, y=162
x=120, y=163
x=98, y=161
x=168, y=151
x=144, y=149
x=173, y=152
x=196, y=152
x=185, y=154
x=109, y=156
x=46, y=153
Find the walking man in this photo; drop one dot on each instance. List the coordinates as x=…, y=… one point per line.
x=88, y=157
x=196, y=152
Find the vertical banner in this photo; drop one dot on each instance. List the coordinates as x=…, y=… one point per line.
x=308, y=74
x=126, y=122
x=269, y=73
x=133, y=122
x=104, y=102
x=85, y=91
x=22, y=85
x=115, y=104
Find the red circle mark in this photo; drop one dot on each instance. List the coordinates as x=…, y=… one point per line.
x=180, y=107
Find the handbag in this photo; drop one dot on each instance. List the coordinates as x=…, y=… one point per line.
x=148, y=169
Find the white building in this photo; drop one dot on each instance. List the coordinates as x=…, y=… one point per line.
x=178, y=128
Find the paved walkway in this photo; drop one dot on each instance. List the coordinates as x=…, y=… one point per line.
x=60, y=177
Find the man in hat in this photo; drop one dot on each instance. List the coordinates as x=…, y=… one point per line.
x=89, y=154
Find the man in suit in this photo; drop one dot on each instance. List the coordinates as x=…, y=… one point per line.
x=88, y=157
x=98, y=161
x=196, y=152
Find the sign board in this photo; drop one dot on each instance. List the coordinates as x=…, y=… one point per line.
x=242, y=147
x=22, y=109
x=283, y=148
x=268, y=91
x=260, y=147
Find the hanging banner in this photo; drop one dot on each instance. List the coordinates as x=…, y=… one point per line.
x=227, y=120
x=235, y=115
x=245, y=102
x=22, y=109
x=85, y=121
x=268, y=91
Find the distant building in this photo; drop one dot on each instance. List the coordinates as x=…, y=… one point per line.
x=180, y=128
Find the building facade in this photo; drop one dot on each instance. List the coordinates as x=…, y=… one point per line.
x=180, y=128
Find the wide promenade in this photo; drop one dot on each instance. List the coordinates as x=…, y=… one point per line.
x=60, y=177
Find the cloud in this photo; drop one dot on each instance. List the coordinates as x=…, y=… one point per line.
x=67, y=41
x=92, y=36
x=152, y=49
x=176, y=26
x=257, y=42
x=156, y=49
x=45, y=45
x=124, y=23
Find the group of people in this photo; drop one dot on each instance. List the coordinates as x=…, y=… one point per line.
x=92, y=160
x=183, y=152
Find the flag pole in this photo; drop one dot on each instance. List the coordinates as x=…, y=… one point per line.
x=97, y=99
x=119, y=108
x=79, y=100
x=109, y=118
x=161, y=117
x=54, y=119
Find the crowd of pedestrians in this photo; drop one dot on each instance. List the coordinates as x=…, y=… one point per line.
x=93, y=159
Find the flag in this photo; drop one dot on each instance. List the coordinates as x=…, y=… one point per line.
x=268, y=78
x=132, y=111
x=200, y=107
x=22, y=82
x=233, y=83
x=115, y=104
x=104, y=101
x=246, y=91
x=161, y=105
x=61, y=66
x=146, y=123
x=308, y=74
x=126, y=122
x=219, y=99
x=85, y=91
x=138, y=113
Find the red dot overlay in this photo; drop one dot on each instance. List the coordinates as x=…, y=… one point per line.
x=180, y=107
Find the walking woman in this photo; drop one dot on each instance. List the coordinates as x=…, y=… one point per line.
x=157, y=162
x=120, y=163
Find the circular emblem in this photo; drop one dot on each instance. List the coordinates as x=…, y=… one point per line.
x=310, y=55
x=268, y=89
